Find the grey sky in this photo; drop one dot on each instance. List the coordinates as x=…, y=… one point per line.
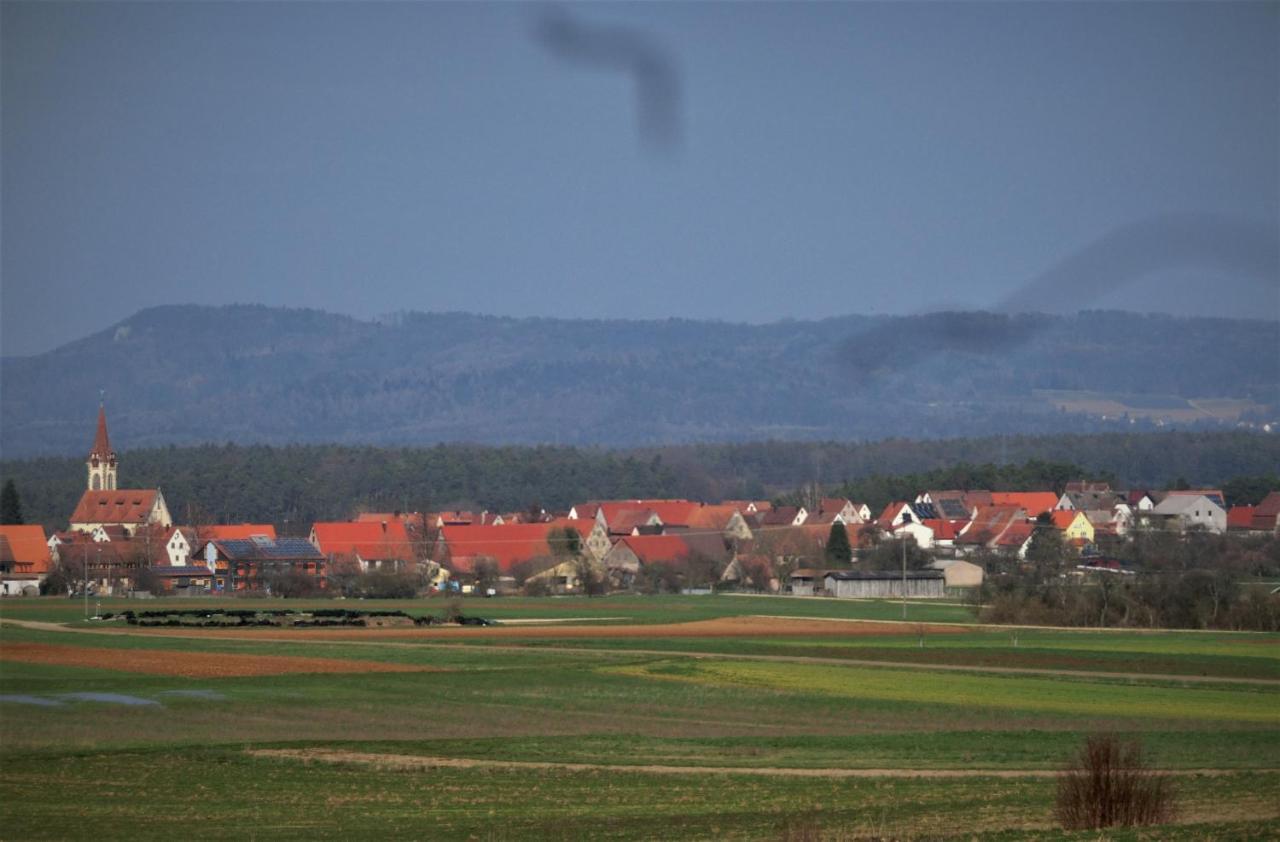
x=828, y=158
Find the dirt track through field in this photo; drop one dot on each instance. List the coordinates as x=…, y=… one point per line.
x=408, y=761
x=188, y=664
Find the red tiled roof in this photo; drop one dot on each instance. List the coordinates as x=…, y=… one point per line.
x=1270, y=505
x=508, y=544
x=224, y=532
x=1240, y=517
x=1063, y=518
x=714, y=518
x=654, y=548
x=990, y=523
x=1034, y=502
x=27, y=544
x=128, y=506
x=369, y=540
x=943, y=530
x=1016, y=535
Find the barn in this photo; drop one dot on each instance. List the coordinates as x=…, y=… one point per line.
x=886, y=583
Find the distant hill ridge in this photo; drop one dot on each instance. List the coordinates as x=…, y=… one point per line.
x=187, y=374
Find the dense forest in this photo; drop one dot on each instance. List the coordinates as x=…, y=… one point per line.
x=295, y=485
x=190, y=375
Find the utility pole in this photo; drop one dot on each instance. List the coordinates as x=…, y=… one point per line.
x=85, y=564
x=904, y=577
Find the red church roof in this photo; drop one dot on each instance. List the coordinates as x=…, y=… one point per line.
x=129, y=506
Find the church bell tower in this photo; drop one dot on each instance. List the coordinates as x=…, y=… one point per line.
x=102, y=459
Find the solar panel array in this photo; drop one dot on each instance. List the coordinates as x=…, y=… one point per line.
x=259, y=547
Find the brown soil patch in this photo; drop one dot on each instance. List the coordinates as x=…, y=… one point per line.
x=722, y=627
x=188, y=664
x=409, y=761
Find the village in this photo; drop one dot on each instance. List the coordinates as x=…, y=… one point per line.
x=123, y=541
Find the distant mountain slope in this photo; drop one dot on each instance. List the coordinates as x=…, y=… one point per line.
x=188, y=374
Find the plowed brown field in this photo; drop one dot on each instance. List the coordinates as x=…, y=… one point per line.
x=188, y=664
x=722, y=627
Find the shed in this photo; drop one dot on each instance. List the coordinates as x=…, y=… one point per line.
x=885, y=583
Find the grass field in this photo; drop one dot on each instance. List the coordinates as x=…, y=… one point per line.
x=639, y=718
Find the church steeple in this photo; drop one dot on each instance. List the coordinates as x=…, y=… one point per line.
x=102, y=459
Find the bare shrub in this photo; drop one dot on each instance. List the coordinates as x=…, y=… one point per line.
x=1110, y=783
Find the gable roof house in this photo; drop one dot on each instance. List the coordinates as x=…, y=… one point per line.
x=1035, y=502
x=785, y=516
x=24, y=558
x=1187, y=510
x=373, y=545
x=721, y=519
x=1266, y=515
x=988, y=524
x=248, y=564
x=184, y=539
x=1016, y=539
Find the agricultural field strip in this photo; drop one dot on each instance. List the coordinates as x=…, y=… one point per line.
x=409, y=761
x=298, y=639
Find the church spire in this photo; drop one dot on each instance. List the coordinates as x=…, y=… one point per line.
x=102, y=459
x=101, y=443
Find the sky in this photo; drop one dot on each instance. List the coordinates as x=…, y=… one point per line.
x=735, y=161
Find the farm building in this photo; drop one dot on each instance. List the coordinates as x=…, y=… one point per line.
x=958, y=573
x=885, y=583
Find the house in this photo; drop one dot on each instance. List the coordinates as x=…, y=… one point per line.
x=1035, y=502
x=722, y=519
x=956, y=505
x=372, y=545
x=859, y=584
x=750, y=507
x=844, y=509
x=988, y=524
x=248, y=564
x=24, y=559
x=1016, y=539
x=1186, y=510
x=1240, y=518
x=944, y=532
x=629, y=554
x=1074, y=524
x=917, y=530
x=1214, y=494
x=784, y=516
x=957, y=573
x=184, y=539
x=1096, y=497
x=1266, y=515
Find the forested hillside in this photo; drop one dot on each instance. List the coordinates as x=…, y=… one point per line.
x=293, y=486
x=257, y=375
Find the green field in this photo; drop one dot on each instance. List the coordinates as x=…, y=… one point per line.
x=928, y=733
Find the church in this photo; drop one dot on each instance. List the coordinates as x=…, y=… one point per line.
x=106, y=505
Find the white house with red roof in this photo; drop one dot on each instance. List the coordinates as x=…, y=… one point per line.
x=24, y=559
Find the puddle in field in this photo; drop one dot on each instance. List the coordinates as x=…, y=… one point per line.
x=109, y=698
x=211, y=695
x=20, y=699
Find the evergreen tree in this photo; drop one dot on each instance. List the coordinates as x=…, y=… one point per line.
x=10, y=505
x=839, y=553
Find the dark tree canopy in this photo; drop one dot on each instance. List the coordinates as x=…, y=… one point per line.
x=839, y=553
x=10, y=504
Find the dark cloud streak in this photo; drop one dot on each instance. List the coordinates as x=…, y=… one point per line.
x=623, y=50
